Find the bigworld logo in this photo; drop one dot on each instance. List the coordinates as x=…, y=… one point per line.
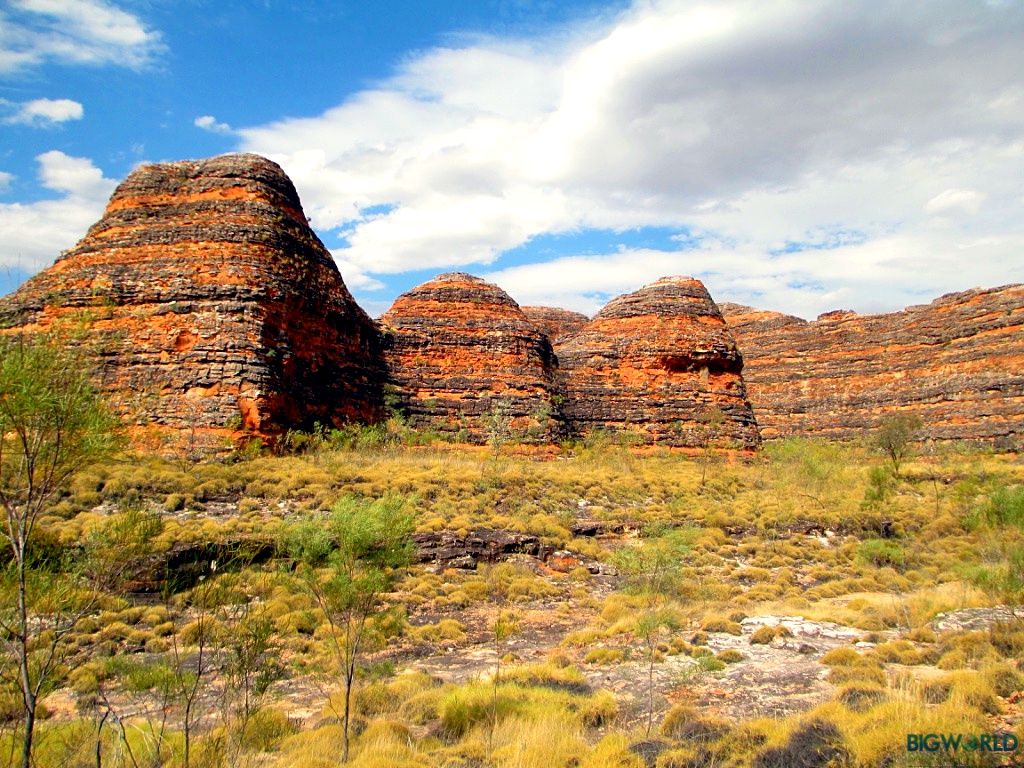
x=955, y=742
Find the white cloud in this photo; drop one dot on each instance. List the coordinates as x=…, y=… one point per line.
x=5, y=181
x=76, y=176
x=210, y=123
x=34, y=234
x=33, y=32
x=952, y=201
x=878, y=275
x=46, y=112
x=828, y=153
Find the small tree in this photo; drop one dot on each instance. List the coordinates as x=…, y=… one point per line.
x=250, y=669
x=653, y=569
x=650, y=627
x=498, y=427
x=711, y=421
x=876, y=501
x=349, y=563
x=193, y=659
x=52, y=423
x=895, y=438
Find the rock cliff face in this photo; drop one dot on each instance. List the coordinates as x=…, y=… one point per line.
x=464, y=360
x=958, y=363
x=556, y=323
x=213, y=302
x=656, y=362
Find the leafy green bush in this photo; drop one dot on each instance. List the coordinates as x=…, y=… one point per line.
x=881, y=552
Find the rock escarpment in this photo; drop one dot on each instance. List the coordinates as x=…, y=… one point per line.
x=465, y=361
x=213, y=302
x=556, y=323
x=660, y=363
x=958, y=363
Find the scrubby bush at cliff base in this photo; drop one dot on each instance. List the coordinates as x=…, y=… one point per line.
x=895, y=437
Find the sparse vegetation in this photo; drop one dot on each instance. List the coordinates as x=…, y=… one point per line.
x=686, y=585
x=895, y=438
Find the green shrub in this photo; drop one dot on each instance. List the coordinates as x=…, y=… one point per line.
x=710, y=664
x=881, y=552
x=1006, y=507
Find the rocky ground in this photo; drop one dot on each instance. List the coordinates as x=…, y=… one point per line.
x=775, y=679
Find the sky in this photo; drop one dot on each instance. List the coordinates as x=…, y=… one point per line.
x=796, y=155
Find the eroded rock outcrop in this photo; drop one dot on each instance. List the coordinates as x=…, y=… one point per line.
x=556, y=323
x=658, y=362
x=958, y=363
x=465, y=361
x=213, y=303
x=451, y=549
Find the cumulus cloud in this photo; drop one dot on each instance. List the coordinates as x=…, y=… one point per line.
x=826, y=152
x=33, y=32
x=45, y=112
x=34, y=234
x=211, y=124
x=5, y=181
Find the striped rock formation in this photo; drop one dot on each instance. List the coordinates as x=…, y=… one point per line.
x=660, y=363
x=556, y=323
x=213, y=302
x=464, y=360
x=958, y=363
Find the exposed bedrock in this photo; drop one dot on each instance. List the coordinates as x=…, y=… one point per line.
x=464, y=360
x=659, y=363
x=556, y=323
x=212, y=303
x=957, y=362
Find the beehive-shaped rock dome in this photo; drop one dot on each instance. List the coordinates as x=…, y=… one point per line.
x=463, y=359
x=212, y=302
x=661, y=363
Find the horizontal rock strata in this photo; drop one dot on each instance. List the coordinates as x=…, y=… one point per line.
x=465, y=361
x=212, y=302
x=450, y=549
x=958, y=363
x=556, y=323
x=661, y=364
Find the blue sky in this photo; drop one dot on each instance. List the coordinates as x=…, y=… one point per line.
x=797, y=155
